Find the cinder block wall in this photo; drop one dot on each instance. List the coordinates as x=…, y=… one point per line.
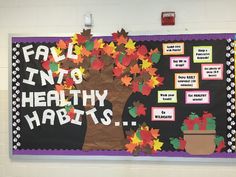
x=137, y=17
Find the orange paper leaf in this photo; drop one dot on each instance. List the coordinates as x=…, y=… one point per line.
x=80, y=59
x=59, y=87
x=155, y=132
x=85, y=52
x=61, y=44
x=121, y=40
x=109, y=49
x=135, y=69
x=126, y=80
x=151, y=71
x=130, y=147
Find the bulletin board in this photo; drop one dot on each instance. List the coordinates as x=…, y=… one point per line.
x=123, y=96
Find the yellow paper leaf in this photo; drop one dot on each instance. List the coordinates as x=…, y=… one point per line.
x=58, y=50
x=136, y=140
x=112, y=45
x=154, y=81
x=157, y=145
x=130, y=44
x=78, y=50
x=74, y=39
x=98, y=44
x=82, y=70
x=146, y=64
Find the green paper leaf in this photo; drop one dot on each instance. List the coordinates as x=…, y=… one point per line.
x=138, y=134
x=156, y=57
x=133, y=112
x=196, y=127
x=175, y=142
x=210, y=121
x=184, y=127
x=89, y=45
x=53, y=66
x=193, y=116
x=211, y=127
x=211, y=124
x=140, y=87
x=218, y=139
x=121, y=56
x=68, y=107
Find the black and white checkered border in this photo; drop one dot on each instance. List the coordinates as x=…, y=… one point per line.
x=230, y=88
x=16, y=96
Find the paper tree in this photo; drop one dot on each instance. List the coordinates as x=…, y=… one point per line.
x=120, y=66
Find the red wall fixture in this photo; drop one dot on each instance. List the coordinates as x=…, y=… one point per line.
x=167, y=18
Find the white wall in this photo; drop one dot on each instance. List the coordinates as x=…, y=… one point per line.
x=138, y=17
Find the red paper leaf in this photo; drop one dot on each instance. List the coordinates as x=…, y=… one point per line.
x=117, y=71
x=115, y=36
x=141, y=110
x=81, y=39
x=126, y=61
x=71, y=114
x=97, y=64
x=221, y=146
x=142, y=50
x=202, y=124
x=95, y=52
x=69, y=82
x=46, y=65
x=146, y=90
x=146, y=136
x=189, y=123
x=207, y=115
x=182, y=144
x=160, y=80
x=135, y=86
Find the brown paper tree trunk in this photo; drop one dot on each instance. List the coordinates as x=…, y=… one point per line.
x=99, y=136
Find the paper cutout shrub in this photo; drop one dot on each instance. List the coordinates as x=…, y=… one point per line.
x=120, y=66
x=199, y=135
x=178, y=143
x=144, y=139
